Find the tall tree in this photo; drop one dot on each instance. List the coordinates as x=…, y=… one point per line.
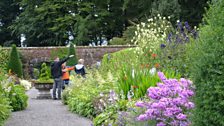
x=9, y=10
x=192, y=11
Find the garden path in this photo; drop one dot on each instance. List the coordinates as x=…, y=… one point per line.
x=45, y=113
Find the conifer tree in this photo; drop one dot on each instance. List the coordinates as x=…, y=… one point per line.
x=72, y=61
x=15, y=64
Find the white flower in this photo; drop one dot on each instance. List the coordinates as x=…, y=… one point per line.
x=152, y=71
x=26, y=84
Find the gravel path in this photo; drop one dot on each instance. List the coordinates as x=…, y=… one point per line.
x=45, y=113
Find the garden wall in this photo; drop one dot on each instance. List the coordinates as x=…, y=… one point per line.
x=90, y=54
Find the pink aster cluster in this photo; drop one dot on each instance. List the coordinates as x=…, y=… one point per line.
x=169, y=102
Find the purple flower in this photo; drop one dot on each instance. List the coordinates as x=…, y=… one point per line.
x=142, y=117
x=189, y=105
x=181, y=116
x=140, y=104
x=161, y=76
x=169, y=102
x=187, y=26
x=161, y=124
x=162, y=46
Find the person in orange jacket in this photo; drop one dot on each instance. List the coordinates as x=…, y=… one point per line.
x=65, y=74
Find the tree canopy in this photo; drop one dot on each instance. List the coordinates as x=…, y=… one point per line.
x=58, y=22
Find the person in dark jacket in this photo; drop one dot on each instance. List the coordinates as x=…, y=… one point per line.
x=56, y=73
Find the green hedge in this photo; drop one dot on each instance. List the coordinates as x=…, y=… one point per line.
x=207, y=68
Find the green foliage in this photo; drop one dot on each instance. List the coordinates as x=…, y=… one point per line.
x=72, y=61
x=5, y=109
x=15, y=64
x=44, y=73
x=167, y=8
x=45, y=24
x=58, y=52
x=207, y=68
x=4, y=57
x=81, y=102
x=110, y=114
x=18, y=98
x=36, y=73
x=9, y=12
x=117, y=41
x=115, y=62
x=135, y=82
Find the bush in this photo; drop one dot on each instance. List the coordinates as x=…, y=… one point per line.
x=72, y=61
x=15, y=64
x=18, y=98
x=58, y=52
x=81, y=102
x=117, y=41
x=5, y=109
x=173, y=50
x=115, y=62
x=170, y=102
x=4, y=59
x=207, y=68
x=44, y=72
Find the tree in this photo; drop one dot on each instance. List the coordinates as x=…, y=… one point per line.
x=72, y=51
x=15, y=64
x=9, y=10
x=192, y=11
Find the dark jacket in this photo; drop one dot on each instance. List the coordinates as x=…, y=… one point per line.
x=80, y=69
x=56, y=71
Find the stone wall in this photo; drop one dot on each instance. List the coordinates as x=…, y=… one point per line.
x=90, y=54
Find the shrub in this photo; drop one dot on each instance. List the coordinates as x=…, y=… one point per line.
x=115, y=62
x=149, y=36
x=81, y=102
x=169, y=102
x=207, y=68
x=44, y=72
x=72, y=61
x=15, y=64
x=117, y=41
x=4, y=59
x=5, y=109
x=173, y=50
x=36, y=73
x=58, y=52
x=18, y=98
x=26, y=84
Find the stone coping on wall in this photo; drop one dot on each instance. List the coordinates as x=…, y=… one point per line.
x=78, y=47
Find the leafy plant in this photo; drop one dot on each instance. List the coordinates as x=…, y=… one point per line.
x=15, y=64
x=4, y=57
x=81, y=102
x=149, y=36
x=18, y=98
x=5, y=109
x=45, y=76
x=135, y=82
x=72, y=61
x=170, y=102
x=58, y=52
x=173, y=51
x=207, y=68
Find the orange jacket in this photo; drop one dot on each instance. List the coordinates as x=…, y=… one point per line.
x=65, y=72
